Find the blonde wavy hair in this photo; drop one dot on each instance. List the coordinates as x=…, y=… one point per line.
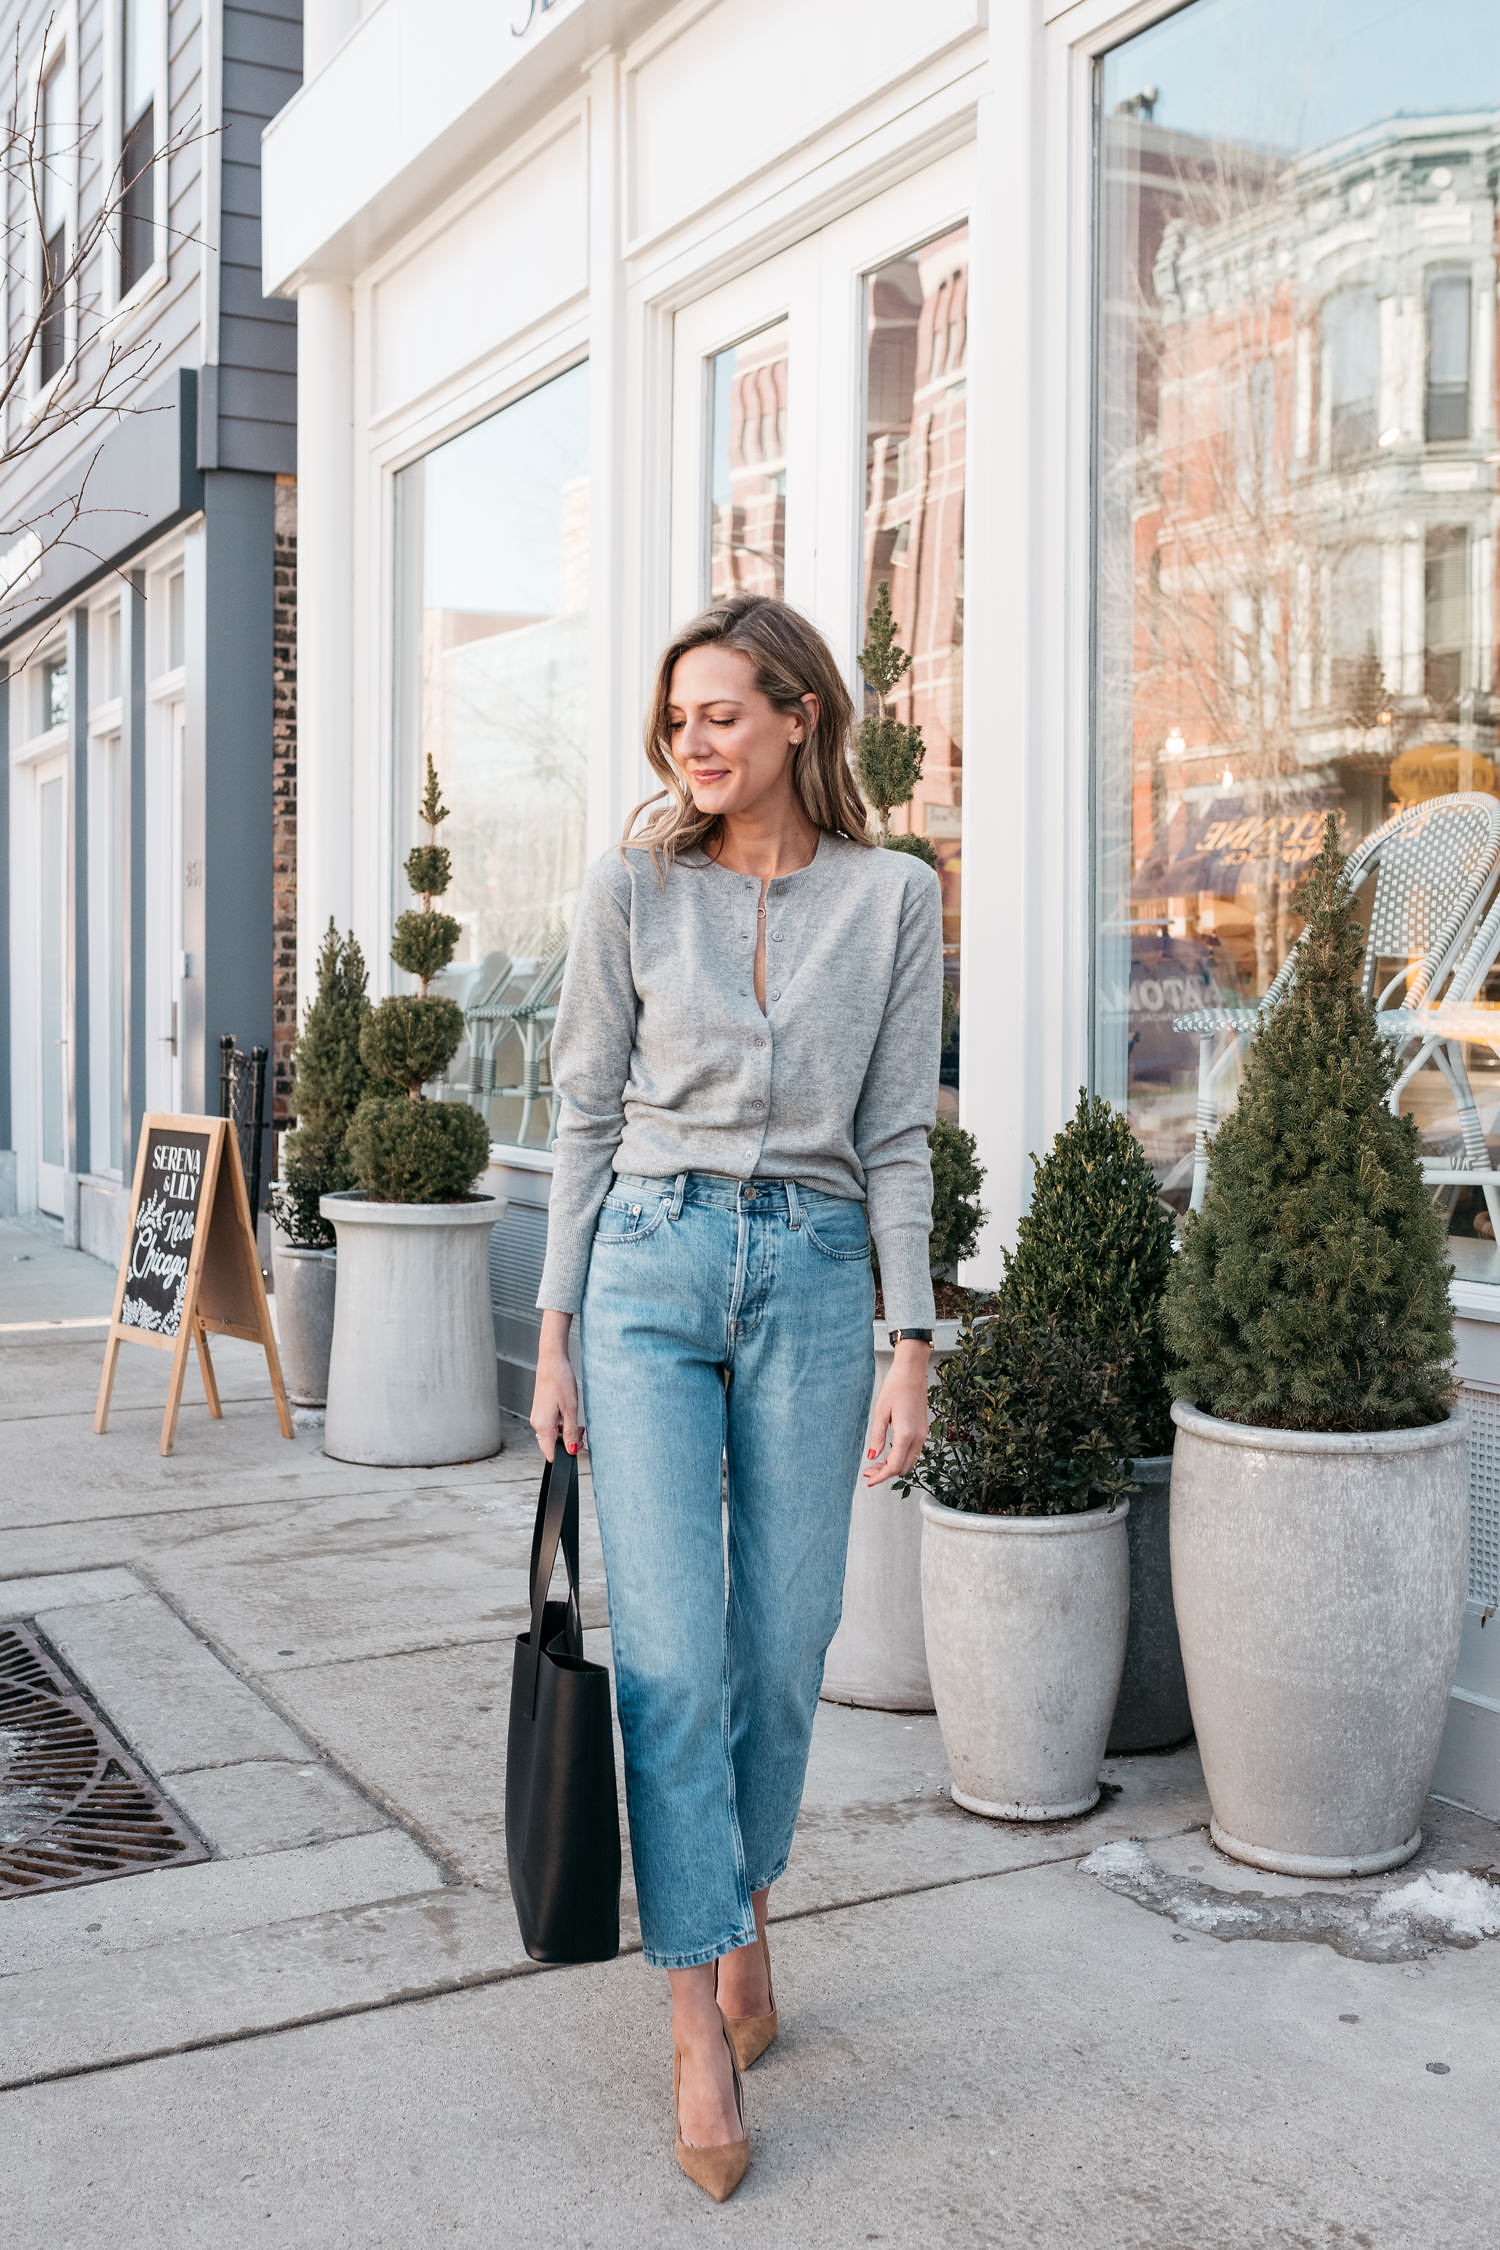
x=791, y=660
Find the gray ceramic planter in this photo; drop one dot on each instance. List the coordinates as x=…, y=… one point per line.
x=1152, y=1712
x=1320, y=1586
x=878, y=1656
x=304, y=1289
x=411, y=1378
x=1026, y=1620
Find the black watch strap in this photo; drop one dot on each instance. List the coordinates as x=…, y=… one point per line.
x=910, y=1336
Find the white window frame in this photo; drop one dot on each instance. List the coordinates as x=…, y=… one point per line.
x=118, y=308
x=166, y=965
x=36, y=752
x=58, y=51
x=109, y=942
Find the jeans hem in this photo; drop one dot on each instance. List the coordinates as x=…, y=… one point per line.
x=700, y=1959
x=775, y=1877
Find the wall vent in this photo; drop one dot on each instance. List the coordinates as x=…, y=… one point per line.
x=1483, y=1404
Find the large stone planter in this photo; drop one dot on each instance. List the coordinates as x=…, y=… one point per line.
x=1152, y=1712
x=411, y=1378
x=1320, y=1586
x=1026, y=1619
x=878, y=1656
x=303, y=1288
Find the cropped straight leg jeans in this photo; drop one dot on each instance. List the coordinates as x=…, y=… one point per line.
x=723, y=1321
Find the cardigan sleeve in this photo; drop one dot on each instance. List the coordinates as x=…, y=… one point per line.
x=592, y=1043
x=898, y=1105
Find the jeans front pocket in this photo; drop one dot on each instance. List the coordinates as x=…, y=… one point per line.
x=621, y=1221
x=840, y=1231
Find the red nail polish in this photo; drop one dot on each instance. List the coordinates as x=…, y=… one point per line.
x=572, y=1449
x=871, y=1454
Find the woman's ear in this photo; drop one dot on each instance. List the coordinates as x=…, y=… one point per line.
x=811, y=707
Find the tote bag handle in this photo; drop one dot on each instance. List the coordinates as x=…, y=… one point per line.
x=556, y=1525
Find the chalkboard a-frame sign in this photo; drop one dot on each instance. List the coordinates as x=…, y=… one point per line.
x=190, y=1262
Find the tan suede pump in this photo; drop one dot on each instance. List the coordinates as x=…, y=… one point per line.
x=718, y=2171
x=750, y=2036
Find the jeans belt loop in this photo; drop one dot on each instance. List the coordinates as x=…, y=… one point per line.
x=793, y=1207
x=678, y=1192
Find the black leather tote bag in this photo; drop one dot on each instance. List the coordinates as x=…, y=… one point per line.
x=562, y=1811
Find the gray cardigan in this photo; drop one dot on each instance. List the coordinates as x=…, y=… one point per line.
x=665, y=1063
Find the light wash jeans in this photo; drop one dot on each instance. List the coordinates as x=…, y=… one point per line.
x=721, y=1319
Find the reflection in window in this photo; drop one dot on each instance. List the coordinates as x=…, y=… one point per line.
x=916, y=369
x=747, y=504
x=57, y=148
x=1351, y=330
x=54, y=670
x=108, y=942
x=52, y=876
x=138, y=21
x=493, y=542
x=1289, y=618
x=1448, y=356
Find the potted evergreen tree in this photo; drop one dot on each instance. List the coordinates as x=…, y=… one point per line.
x=411, y=1379
x=1092, y=1255
x=1319, y=1480
x=330, y=1078
x=1025, y=1566
x=878, y=1656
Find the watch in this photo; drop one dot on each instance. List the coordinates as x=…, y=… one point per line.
x=910, y=1336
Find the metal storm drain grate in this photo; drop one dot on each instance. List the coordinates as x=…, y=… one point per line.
x=74, y=1806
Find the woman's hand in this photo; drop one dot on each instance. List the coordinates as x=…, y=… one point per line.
x=554, y=1402
x=900, y=1416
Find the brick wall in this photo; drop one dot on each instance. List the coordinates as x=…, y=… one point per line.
x=284, y=817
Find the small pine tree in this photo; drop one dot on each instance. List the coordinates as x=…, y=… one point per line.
x=1311, y=1291
x=1093, y=1255
x=330, y=1079
x=403, y=1147
x=957, y=1177
x=887, y=754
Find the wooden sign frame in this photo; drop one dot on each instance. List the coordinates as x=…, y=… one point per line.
x=223, y=1292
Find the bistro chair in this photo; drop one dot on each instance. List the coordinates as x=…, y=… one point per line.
x=530, y=1016
x=1433, y=865
x=1441, y=1033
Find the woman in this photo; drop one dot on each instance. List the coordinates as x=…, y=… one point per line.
x=747, y=1054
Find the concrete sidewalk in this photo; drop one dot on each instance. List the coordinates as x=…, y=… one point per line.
x=328, y=2033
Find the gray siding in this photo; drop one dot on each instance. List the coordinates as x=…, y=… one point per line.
x=169, y=320
x=246, y=416
x=257, y=372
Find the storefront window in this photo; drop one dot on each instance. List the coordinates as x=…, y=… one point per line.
x=108, y=940
x=747, y=527
x=1296, y=509
x=493, y=559
x=916, y=375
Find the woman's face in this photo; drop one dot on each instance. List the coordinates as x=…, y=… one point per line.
x=733, y=745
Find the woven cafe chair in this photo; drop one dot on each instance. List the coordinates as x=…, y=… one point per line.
x=1440, y=1033
x=530, y=1016
x=1433, y=866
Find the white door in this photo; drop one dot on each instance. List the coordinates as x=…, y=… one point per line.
x=164, y=908
x=745, y=436
x=52, y=984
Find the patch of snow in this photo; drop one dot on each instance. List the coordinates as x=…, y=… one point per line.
x=1118, y=1859
x=1449, y=1908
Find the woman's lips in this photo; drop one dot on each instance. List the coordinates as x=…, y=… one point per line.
x=709, y=775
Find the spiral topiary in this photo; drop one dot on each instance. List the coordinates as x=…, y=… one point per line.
x=402, y=1147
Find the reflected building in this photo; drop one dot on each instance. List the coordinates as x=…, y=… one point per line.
x=1308, y=466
